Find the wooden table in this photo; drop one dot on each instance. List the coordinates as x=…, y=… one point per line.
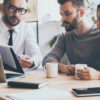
x=62, y=82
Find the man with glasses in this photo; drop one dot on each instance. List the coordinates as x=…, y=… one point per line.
x=80, y=42
x=18, y=34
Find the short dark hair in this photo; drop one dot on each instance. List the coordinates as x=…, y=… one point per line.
x=79, y=3
x=98, y=6
x=6, y=1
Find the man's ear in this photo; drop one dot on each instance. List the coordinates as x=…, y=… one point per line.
x=2, y=8
x=82, y=12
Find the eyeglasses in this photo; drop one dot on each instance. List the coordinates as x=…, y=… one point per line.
x=13, y=9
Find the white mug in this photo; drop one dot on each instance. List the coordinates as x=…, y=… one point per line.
x=79, y=67
x=51, y=70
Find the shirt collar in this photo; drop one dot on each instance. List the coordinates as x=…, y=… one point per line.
x=4, y=28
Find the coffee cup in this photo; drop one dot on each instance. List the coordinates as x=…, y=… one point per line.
x=79, y=67
x=51, y=70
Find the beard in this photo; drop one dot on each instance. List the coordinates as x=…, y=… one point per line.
x=11, y=21
x=71, y=26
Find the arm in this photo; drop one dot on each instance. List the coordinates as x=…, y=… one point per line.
x=32, y=49
x=67, y=69
x=57, y=51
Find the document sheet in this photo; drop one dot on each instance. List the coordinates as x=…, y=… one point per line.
x=41, y=94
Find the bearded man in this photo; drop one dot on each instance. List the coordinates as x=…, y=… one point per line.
x=80, y=42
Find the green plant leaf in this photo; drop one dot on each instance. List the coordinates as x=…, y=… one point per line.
x=51, y=42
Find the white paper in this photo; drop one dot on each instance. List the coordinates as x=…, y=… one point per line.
x=41, y=94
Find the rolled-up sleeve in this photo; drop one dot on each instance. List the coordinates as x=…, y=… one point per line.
x=57, y=51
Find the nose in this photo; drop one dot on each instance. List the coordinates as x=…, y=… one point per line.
x=16, y=13
x=63, y=18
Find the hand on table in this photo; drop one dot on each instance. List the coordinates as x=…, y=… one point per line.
x=68, y=69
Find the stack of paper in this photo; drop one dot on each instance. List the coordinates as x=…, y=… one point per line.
x=41, y=94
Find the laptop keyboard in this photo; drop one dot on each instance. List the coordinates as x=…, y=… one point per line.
x=9, y=75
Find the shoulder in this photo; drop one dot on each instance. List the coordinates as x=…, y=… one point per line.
x=94, y=29
x=63, y=36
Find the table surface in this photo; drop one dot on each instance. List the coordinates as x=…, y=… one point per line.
x=62, y=82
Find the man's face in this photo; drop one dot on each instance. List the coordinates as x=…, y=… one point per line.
x=98, y=18
x=70, y=16
x=14, y=11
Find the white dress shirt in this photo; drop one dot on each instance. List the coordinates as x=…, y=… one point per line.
x=23, y=39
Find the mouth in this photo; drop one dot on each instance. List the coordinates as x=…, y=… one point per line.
x=14, y=20
x=67, y=25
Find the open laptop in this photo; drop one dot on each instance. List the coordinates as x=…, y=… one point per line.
x=9, y=61
x=4, y=77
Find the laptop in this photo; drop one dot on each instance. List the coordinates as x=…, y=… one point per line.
x=9, y=61
x=5, y=77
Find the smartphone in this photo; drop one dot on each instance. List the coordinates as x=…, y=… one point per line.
x=93, y=91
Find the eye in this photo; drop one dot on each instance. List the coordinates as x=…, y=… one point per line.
x=11, y=9
x=67, y=13
x=22, y=10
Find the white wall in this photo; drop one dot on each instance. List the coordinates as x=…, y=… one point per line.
x=48, y=10
x=49, y=23
x=47, y=31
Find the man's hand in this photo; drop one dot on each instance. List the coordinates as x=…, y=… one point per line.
x=25, y=62
x=68, y=69
x=88, y=74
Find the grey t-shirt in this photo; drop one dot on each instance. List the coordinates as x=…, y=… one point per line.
x=83, y=48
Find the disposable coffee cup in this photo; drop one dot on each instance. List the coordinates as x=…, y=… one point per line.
x=79, y=67
x=51, y=70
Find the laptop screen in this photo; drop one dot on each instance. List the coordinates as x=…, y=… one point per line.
x=10, y=60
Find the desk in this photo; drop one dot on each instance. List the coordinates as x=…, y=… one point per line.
x=62, y=82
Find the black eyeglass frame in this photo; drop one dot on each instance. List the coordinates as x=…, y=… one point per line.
x=13, y=9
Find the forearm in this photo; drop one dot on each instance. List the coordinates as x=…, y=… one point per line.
x=49, y=58
x=57, y=51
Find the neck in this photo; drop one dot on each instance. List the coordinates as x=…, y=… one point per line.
x=84, y=27
x=9, y=27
